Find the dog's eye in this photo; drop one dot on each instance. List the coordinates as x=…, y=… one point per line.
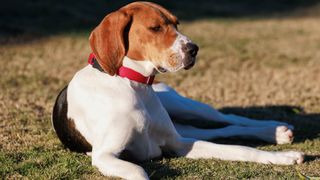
x=155, y=28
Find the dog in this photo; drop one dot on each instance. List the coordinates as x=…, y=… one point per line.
x=113, y=110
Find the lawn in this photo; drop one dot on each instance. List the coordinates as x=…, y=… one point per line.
x=262, y=62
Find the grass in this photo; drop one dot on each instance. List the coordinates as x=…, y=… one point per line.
x=265, y=68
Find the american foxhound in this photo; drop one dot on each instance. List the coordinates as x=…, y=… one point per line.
x=112, y=109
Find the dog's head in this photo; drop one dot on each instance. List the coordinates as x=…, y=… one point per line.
x=142, y=31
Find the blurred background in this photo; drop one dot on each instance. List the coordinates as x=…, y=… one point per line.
x=34, y=18
x=257, y=58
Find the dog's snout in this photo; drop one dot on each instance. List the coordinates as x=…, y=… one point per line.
x=192, y=49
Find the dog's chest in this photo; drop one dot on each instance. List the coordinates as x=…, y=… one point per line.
x=153, y=129
x=115, y=110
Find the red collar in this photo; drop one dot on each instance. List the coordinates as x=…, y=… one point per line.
x=124, y=72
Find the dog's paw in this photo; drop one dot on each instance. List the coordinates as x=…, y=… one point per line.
x=283, y=135
x=276, y=134
x=289, y=158
x=283, y=158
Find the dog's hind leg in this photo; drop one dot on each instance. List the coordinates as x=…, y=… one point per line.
x=272, y=134
x=183, y=108
x=244, y=121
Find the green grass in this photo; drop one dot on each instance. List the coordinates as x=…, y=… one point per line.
x=261, y=67
x=40, y=163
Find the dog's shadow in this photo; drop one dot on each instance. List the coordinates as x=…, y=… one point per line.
x=158, y=170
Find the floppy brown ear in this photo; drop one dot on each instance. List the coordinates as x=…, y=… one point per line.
x=107, y=41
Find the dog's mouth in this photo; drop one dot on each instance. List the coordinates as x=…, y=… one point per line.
x=161, y=69
x=190, y=65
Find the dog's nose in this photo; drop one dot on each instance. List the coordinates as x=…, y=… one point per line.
x=192, y=49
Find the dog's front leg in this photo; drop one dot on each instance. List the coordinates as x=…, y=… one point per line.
x=195, y=149
x=107, y=147
x=110, y=165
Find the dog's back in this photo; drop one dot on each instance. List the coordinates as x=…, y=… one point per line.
x=65, y=127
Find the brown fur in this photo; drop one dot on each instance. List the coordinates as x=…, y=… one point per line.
x=107, y=41
x=128, y=31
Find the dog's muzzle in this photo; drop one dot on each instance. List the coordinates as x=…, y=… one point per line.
x=191, y=51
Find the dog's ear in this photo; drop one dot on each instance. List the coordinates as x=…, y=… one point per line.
x=107, y=41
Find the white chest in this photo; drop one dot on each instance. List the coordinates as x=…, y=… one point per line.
x=116, y=113
x=147, y=144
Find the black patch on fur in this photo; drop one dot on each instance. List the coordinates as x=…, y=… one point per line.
x=97, y=65
x=65, y=128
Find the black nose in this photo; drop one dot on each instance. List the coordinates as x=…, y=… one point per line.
x=192, y=49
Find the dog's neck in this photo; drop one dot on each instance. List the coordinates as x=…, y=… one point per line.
x=144, y=67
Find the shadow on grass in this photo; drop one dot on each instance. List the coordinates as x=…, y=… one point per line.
x=310, y=158
x=24, y=21
x=157, y=170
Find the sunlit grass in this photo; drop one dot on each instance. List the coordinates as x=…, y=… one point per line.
x=242, y=64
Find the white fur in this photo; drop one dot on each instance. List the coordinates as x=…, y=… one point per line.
x=176, y=47
x=147, y=68
x=114, y=114
x=144, y=67
x=178, y=43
